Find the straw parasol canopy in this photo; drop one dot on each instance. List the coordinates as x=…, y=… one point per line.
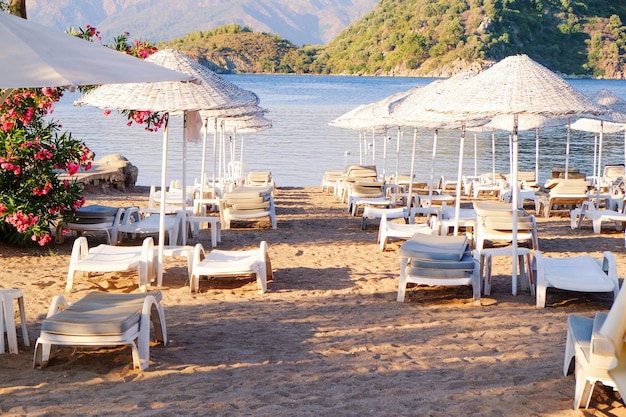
x=211, y=93
x=514, y=86
x=373, y=115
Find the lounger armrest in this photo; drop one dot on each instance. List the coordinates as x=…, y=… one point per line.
x=79, y=249
x=609, y=266
x=58, y=303
x=151, y=311
x=198, y=253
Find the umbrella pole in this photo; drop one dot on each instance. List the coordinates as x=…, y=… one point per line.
x=385, y=156
x=213, y=194
x=162, y=208
x=567, y=149
x=360, y=147
x=203, y=164
x=398, y=155
x=374, y=146
x=457, y=204
x=537, y=156
x=493, y=156
x=475, y=154
x=514, y=202
x=184, y=182
x=600, y=173
x=595, y=157
x=432, y=164
x=410, y=195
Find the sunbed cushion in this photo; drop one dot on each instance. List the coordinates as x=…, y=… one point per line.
x=436, y=248
x=466, y=263
x=99, y=314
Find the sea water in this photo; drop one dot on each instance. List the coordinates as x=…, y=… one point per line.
x=301, y=145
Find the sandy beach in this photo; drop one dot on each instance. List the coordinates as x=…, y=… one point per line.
x=327, y=339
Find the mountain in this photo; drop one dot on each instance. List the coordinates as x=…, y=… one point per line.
x=300, y=21
x=442, y=37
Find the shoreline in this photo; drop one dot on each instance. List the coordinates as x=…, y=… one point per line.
x=328, y=338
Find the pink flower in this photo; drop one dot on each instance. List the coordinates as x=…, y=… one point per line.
x=72, y=168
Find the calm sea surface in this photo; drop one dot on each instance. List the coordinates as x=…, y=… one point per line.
x=301, y=145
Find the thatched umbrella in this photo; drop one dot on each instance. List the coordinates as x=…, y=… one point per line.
x=515, y=86
x=211, y=94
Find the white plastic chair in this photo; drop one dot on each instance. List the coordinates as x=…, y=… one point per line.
x=579, y=273
x=223, y=263
x=103, y=319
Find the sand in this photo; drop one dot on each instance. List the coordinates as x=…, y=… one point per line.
x=328, y=338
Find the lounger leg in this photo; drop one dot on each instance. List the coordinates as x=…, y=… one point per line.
x=402, y=280
x=583, y=390
x=476, y=283
x=42, y=354
x=541, y=294
x=570, y=352
x=141, y=351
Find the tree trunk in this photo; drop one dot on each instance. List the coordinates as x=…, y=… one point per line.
x=18, y=8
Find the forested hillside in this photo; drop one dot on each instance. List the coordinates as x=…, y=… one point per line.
x=437, y=38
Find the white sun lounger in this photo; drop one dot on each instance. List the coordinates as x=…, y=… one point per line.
x=103, y=319
x=580, y=273
x=109, y=258
x=224, y=263
x=587, y=210
x=438, y=260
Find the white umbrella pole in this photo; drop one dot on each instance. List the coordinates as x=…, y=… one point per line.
x=537, y=156
x=595, y=157
x=475, y=154
x=241, y=153
x=493, y=156
x=398, y=155
x=162, y=208
x=205, y=139
x=514, y=203
x=385, y=156
x=457, y=204
x=600, y=172
x=432, y=164
x=213, y=193
x=373, y=146
x=360, y=147
x=410, y=196
x=184, y=182
x=567, y=149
